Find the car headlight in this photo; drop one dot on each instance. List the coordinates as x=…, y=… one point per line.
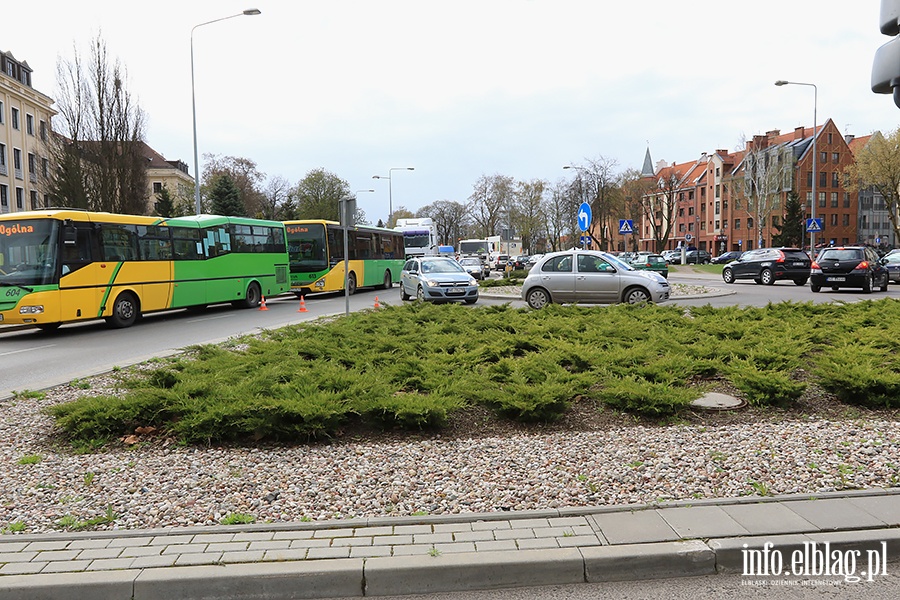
x=431, y=282
x=31, y=310
x=472, y=281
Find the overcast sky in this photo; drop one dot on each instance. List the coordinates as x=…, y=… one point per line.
x=464, y=88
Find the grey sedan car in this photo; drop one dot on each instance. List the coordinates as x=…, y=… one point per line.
x=590, y=277
x=435, y=278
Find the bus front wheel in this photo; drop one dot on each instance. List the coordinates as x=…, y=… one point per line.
x=251, y=298
x=125, y=311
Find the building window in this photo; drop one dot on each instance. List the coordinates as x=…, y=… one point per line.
x=690, y=210
x=821, y=199
x=32, y=167
x=737, y=223
x=680, y=210
x=835, y=157
x=823, y=179
x=690, y=194
x=4, y=197
x=2, y=112
x=845, y=220
x=809, y=179
x=808, y=199
x=834, y=199
x=43, y=130
x=17, y=162
x=749, y=222
x=14, y=113
x=29, y=124
x=823, y=157
x=724, y=223
x=846, y=199
x=45, y=167
x=34, y=200
x=717, y=224
x=835, y=180
x=157, y=187
x=20, y=198
x=834, y=219
x=829, y=138
x=691, y=226
x=2, y=155
x=718, y=210
x=718, y=191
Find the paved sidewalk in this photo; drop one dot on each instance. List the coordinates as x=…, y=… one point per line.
x=393, y=556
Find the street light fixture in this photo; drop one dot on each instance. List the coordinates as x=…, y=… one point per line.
x=812, y=206
x=390, y=192
x=248, y=12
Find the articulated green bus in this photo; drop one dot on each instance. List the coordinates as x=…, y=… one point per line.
x=316, y=251
x=63, y=265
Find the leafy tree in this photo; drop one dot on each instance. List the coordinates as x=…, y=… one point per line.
x=164, y=206
x=225, y=197
x=98, y=151
x=317, y=195
x=245, y=176
x=792, y=229
x=878, y=165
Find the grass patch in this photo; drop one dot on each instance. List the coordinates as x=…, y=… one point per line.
x=411, y=367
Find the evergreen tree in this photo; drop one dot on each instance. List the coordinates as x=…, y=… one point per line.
x=164, y=206
x=791, y=231
x=225, y=198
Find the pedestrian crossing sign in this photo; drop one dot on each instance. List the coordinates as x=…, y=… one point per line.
x=626, y=226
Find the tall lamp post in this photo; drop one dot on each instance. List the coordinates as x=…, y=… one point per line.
x=390, y=193
x=249, y=12
x=812, y=206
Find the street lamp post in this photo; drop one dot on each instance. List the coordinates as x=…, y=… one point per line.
x=346, y=221
x=248, y=12
x=390, y=192
x=812, y=206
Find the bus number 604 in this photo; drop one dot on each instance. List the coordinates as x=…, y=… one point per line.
x=12, y=292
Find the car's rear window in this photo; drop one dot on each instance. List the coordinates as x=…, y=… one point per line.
x=795, y=254
x=842, y=254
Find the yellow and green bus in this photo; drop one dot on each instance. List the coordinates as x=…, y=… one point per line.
x=316, y=251
x=64, y=265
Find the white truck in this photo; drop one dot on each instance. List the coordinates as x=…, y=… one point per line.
x=419, y=237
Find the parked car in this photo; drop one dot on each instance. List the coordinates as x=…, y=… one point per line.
x=848, y=266
x=673, y=257
x=726, y=257
x=473, y=266
x=697, y=257
x=437, y=278
x=590, y=277
x=891, y=262
x=768, y=265
x=500, y=261
x=532, y=260
x=650, y=262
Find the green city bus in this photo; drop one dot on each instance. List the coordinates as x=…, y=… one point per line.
x=64, y=265
x=316, y=251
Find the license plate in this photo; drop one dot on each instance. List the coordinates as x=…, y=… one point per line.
x=835, y=279
x=799, y=264
x=456, y=292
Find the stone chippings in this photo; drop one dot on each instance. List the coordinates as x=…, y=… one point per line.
x=161, y=484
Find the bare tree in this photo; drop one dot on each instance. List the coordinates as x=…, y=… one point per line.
x=277, y=199
x=761, y=181
x=878, y=165
x=634, y=187
x=490, y=200
x=600, y=183
x=530, y=220
x=560, y=206
x=98, y=146
x=449, y=218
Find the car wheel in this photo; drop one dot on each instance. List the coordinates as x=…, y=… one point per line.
x=403, y=295
x=884, y=286
x=636, y=295
x=420, y=294
x=538, y=298
x=124, y=312
x=815, y=288
x=728, y=276
x=868, y=284
x=471, y=300
x=766, y=277
x=801, y=281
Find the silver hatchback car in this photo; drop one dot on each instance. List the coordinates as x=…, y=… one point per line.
x=437, y=279
x=590, y=277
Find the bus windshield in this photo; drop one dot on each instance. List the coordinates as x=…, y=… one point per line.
x=307, y=247
x=476, y=247
x=417, y=239
x=28, y=252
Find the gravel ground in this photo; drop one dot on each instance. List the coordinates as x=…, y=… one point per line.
x=477, y=464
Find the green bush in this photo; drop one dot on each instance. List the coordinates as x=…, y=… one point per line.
x=647, y=398
x=765, y=387
x=860, y=375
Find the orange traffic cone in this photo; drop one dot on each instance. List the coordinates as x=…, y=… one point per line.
x=302, y=305
x=376, y=303
x=262, y=304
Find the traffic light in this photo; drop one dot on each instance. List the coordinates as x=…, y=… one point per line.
x=886, y=67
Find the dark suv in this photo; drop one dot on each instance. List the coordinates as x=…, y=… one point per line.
x=855, y=267
x=697, y=257
x=768, y=265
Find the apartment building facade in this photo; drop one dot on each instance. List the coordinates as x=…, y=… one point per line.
x=735, y=200
x=25, y=117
